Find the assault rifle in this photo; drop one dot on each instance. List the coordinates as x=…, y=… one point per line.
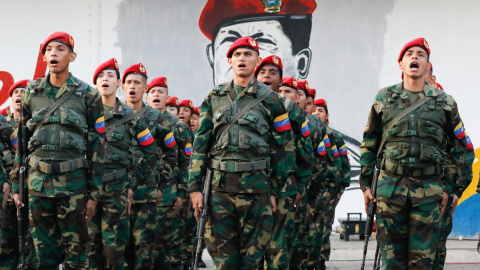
x=203, y=217
x=22, y=213
x=372, y=206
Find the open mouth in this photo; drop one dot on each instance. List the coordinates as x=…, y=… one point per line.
x=18, y=101
x=105, y=85
x=241, y=65
x=267, y=83
x=414, y=66
x=131, y=93
x=156, y=101
x=53, y=62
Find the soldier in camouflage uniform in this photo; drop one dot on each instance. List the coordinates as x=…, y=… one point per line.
x=9, y=253
x=248, y=161
x=147, y=196
x=409, y=189
x=109, y=229
x=65, y=161
x=277, y=255
x=175, y=191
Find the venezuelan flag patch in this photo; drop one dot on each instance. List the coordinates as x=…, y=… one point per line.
x=282, y=123
x=188, y=149
x=335, y=151
x=305, y=130
x=469, y=142
x=343, y=150
x=169, y=140
x=145, y=137
x=14, y=142
x=459, y=131
x=100, y=125
x=321, y=150
x=326, y=141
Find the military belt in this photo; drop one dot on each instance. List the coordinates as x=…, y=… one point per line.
x=57, y=166
x=237, y=166
x=107, y=177
x=400, y=170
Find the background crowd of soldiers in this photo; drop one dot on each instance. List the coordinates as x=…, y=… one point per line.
x=107, y=180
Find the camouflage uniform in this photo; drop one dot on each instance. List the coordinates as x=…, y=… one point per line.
x=277, y=254
x=240, y=221
x=169, y=231
x=409, y=186
x=65, y=168
x=138, y=252
x=109, y=229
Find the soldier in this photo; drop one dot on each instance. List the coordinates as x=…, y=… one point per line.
x=289, y=199
x=175, y=191
x=310, y=106
x=147, y=196
x=185, y=111
x=409, y=194
x=109, y=229
x=247, y=158
x=172, y=106
x=195, y=120
x=66, y=136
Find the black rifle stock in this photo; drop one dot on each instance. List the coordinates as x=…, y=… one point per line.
x=203, y=217
x=372, y=206
x=22, y=213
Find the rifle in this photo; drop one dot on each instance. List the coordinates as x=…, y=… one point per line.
x=22, y=213
x=372, y=206
x=478, y=245
x=203, y=217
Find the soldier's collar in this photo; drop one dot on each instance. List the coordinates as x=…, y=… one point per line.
x=250, y=89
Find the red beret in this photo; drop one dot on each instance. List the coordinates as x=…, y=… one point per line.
x=270, y=60
x=439, y=86
x=217, y=11
x=196, y=111
x=60, y=37
x=320, y=102
x=173, y=101
x=5, y=111
x=19, y=84
x=135, y=69
x=243, y=42
x=186, y=103
x=110, y=64
x=420, y=42
x=312, y=92
x=290, y=82
x=303, y=85
x=159, y=81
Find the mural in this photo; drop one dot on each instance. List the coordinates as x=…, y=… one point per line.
x=347, y=50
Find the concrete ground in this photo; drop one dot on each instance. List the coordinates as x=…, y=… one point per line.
x=461, y=255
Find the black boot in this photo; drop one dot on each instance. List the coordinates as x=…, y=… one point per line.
x=201, y=264
x=322, y=265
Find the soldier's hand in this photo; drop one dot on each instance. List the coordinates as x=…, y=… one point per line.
x=273, y=200
x=18, y=202
x=298, y=202
x=339, y=196
x=197, y=202
x=454, y=204
x=368, y=197
x=91, y=204
x=159, y=198
x=178, y=206
x=329, y=196
x=6, y=193
x=443, y=204
x=129, y=200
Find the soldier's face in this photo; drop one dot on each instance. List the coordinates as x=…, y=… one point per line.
x=157, y=97
x=270, y=75
x=17, y=98
x=194, y=122
x=243, y=62
x=288, y=92
x=302, y=99
x=271, y=40
x=134, y=87
x=321, y=113
x=415, y=62
x=58, y=56
x=184, y=115
x=173, y=110
x=107, y=83
x=309, y=106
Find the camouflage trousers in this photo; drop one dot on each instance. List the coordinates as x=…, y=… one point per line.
x=316, y=225
x=238, y=229
x=189, y=241
x=277, y=255
x=109, y=233
x=138, y=252
x=59, y=231
x=407, y=235
x=328, y=217
x=179, y=229
x=9, y=254
x=299, y=251
x=445, y=227
x=163, y=236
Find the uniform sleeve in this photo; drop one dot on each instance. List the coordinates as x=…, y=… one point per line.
x=303, y=149
x=9, y=138
x=95, y=143
x=168, y=144
x=320, y=162
x=344, y=180
x=184, y=135
x=147, y=162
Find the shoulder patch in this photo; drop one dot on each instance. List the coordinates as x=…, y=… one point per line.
x=188, y=149
x=169, y=140
x=459, y=131
x=335, y=151
x=469, y=142
x=100, y=125
x=145, y=137
x=282, y=123
x=326, y=141
x=321, y=150
x=343, y=150
x=305, y=129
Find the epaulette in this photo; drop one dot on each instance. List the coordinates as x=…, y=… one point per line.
x=218, y=90
x=33, y=86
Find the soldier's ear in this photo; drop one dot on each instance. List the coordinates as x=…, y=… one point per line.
x=73, y=56
x=259, y=60
x=302, y=61
x=400, y=64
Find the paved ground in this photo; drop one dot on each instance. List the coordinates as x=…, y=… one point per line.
x=461, y=255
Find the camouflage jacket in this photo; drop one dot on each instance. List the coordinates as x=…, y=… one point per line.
x=456, y=144
x=334, y=166
x=79, y=181
x=8, y=141
x=163, y=135
x=260, y=181
x=115, y=142
x=344, y=180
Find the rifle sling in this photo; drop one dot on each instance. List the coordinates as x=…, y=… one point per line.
x=117, y=122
